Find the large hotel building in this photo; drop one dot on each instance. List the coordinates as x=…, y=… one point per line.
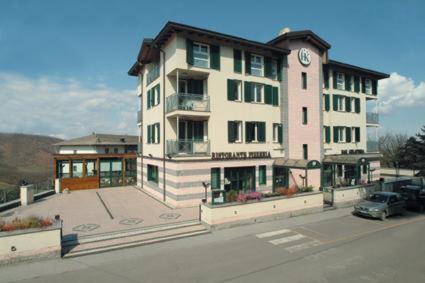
x=220, y=112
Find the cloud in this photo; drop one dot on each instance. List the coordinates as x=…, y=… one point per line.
x=400, y=91
x=64, y=107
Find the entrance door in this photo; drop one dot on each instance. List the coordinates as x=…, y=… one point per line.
x=110, y=172
x=240, y=179
x=280, y=177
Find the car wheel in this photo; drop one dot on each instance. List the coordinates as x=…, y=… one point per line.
x=383, y=216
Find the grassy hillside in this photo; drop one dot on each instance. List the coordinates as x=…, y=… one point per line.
x=26, y=157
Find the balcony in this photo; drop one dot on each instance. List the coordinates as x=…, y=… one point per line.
x=372, y=146
x=188, y=104
x=188, y=147
x=139, y=116
x=372, y=118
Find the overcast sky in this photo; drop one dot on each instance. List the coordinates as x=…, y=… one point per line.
x=63, y=64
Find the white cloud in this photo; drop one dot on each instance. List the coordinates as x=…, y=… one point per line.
x=64, y=108
x=400, y=91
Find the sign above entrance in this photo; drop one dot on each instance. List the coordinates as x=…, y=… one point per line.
x=240, y=155
x=304, y=56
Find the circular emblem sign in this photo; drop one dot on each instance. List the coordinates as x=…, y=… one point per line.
x=305, y=56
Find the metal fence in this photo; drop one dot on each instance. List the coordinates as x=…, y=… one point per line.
x=394, y=184
x=12, y=193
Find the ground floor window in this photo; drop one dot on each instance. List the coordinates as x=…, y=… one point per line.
x=328, y=175
x=111, y=172
x=239, y=179
x=153, y=173
x=63, y=169
x=215, y=178
x=77, y=169
x=130, y=171
x=91, y=168
x=262, y=176
x=280, y=178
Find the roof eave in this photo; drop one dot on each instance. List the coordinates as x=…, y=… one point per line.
x=375, y=74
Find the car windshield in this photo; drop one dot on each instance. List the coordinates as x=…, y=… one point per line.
x=378, y=198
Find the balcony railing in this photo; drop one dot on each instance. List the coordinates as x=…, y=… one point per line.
x=189, y=102
x=372, y=146
x=372, y=118
x=139, y=116
x=188, y=147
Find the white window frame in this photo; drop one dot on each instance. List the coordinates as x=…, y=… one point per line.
x=196, y=52
x=156, y=96
x=368, y=86
x=156, y=129
x=274, y=69
x=341, y=103
x=256, y=94
x=341, y=134
x=340, y=81
x=239, y=131
x=260, y=70
x=353, y=135
x=276, y=132
x=255, y=133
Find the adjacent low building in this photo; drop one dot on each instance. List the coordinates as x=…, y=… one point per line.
x=96, y=161
x=228, y=113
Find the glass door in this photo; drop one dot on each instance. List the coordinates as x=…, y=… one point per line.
x=110, y=172
x=240, y=179
x=280, y=178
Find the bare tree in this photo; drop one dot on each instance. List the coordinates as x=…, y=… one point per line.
x=392, y=146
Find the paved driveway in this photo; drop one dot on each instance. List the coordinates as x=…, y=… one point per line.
x=91, y=212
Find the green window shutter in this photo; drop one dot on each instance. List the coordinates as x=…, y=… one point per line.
x=189, y=51
x=248, y=91
x=275, y=97
x=268, y=98
x=267, y=67
x=248, y=131
x=247, y=62
x=280, y=133
x=357, y=131
x=327, y=103
x=237, y=60
x=305, y=115
x=279, y=69
x=230, y=90
x=149, y=133
x=335, y=102
x=334, y=79
x=153, y=140
x=326, y=78
x=262, y=180
x=215, y=178
x=231, y=137
x=363, y=85
x=357, y=105
x=336, y=136
x=327, y=134
x=215, y=57
x=357, y=84
x=374, y=87
x=348, y=134
x=261, y=127
x=347, y=82
x=347, y=104
x=148, y=99
x=158, y=93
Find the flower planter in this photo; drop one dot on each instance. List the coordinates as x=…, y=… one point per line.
x=231, y=214
x=33, y=243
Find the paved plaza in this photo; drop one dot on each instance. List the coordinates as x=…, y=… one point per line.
x=90, y=212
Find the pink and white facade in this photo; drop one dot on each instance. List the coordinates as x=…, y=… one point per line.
x=235, y=114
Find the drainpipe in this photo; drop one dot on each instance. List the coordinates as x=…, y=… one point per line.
x=163, y=124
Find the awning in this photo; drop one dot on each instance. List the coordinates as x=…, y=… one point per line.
x=296, y=163
x=352, y=158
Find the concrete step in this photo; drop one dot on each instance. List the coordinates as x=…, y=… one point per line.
x=127, y=241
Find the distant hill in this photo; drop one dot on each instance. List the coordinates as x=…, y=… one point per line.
x=26, y=157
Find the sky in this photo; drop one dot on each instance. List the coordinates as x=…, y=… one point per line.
x=63, y=64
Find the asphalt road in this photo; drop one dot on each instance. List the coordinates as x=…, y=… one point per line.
x=333, y=246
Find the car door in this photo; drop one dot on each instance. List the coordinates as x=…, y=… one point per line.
x=392, y=205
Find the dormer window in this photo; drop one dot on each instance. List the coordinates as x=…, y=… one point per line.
x=201, y=55
x=257, y=65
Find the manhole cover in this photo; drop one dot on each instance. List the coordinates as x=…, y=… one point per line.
x=169, y=216
x=86, y=227
x=131, y=221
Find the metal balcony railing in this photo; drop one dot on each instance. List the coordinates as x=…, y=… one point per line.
x=372, y=146
x=188, y=147
x=372, y=118
x=190, y=102
x=139, y=116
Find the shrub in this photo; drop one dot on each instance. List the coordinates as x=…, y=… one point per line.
x=272, y=194
x=249, y=196
x=305, y=189
x=25, y=223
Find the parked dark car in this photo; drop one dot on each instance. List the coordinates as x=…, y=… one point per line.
x=380, y=205
x=414, y=197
